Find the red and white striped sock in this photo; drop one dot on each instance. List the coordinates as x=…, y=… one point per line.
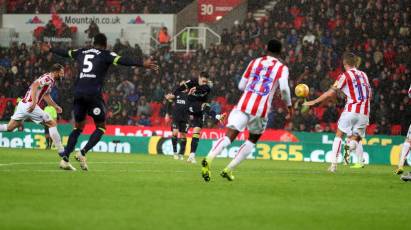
x=218, y=148
x=336, y=150
x=244, y=150
x=404, y=153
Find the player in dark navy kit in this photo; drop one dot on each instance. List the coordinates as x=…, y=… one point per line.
x=93, y=65
x=177, y=106
x=198, y=93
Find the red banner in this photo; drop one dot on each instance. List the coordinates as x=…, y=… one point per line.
x=141, y=131
x=212, y=10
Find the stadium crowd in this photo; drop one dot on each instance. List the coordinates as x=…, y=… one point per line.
x=96, y=6
x=314, y=38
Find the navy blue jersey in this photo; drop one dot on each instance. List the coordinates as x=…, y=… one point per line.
x=93, y=66
x=180, y=108
x=197, y=99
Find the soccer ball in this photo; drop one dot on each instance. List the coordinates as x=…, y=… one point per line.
x=302, y=90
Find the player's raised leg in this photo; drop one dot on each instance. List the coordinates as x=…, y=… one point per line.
x=13, y=124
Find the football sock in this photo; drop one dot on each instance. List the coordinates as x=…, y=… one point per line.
x=218, y=147
x=194, y=142
x=336, y=150
x=55, y=136
x=404, y=153
x=359, y=151
x=3, y=127
x=243, y=152
x=48, y=142
x=174, y=141
x=94, y=139
x=71, y=143
x=183, y=143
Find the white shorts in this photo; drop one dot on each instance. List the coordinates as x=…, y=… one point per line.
x=353, y=123
x=37, y=116
x=409, y=133
x=239, y=120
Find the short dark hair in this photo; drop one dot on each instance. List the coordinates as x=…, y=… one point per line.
x=204, y=74
x=56, y=67
x=100, y=40
x=274, y=46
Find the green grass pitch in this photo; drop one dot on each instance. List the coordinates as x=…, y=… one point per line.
x=135, y=191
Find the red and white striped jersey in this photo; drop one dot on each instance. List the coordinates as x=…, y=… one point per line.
x=259, y=83
x=409, y=92
x=356, y=87
x=46, y=84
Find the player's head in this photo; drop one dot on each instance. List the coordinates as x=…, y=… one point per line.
x=274, y=46
x=203, y=78
x=57, y=70
x=100, y=41
x=349, y=60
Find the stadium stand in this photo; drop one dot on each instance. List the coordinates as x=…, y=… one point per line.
x=315, y=36
x=96, y=6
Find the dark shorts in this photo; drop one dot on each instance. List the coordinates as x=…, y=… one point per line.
x=196, y=121
x=46, y=130
x=181, y=125
x=93, y=106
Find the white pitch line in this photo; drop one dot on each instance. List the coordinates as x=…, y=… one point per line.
x=94, y=170
x=48, y=163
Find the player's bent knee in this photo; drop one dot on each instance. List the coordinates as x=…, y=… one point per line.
x=51, y=123
x=254, y=137
x=232, y=134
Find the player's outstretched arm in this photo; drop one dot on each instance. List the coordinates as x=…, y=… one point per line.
x=148, y=63
x=51, y=102
x=330, y=93
x=46, y=47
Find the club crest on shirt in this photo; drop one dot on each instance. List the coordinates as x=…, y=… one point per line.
x=96, y=111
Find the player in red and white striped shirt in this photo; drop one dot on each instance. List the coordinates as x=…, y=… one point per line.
x=259, y=82
x=29, y=108
x=355, y=118
x=406, y=148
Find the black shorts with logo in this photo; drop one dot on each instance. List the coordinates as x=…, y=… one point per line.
x=181, y=125
x=93, y=106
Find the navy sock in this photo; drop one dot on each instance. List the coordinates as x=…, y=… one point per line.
x=94, y=139
x=183, y=144
x=48, y=142
x=174, y=141
x=71, y=143
x=194, y=144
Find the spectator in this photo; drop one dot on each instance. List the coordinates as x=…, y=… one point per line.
x=143, y=107
x=92, y=30
x=163, y=36
x=144, y=121
x=8, y=112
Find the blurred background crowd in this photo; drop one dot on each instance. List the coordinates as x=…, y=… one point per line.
x=314, y=38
